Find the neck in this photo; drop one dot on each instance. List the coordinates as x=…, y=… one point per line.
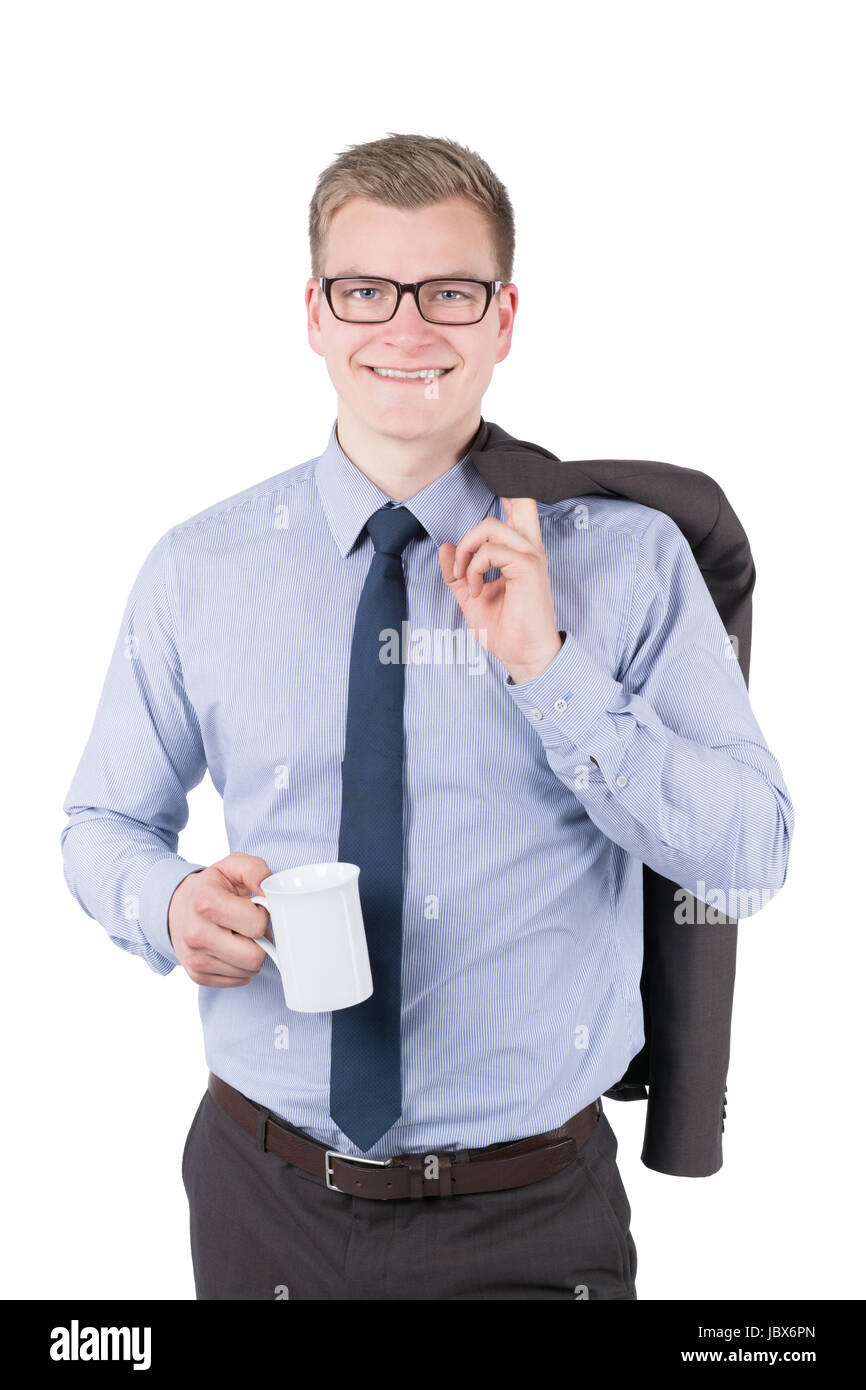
x=402, y=467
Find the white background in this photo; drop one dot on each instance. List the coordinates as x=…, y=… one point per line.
x=692, y=172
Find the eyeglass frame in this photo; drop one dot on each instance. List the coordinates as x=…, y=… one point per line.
x=491, y=286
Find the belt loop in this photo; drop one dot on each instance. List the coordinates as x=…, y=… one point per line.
x=445, y=1175
x=261, y=1127
x=415, y=1165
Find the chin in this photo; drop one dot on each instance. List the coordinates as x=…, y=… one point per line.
x=406, y=422
x=415, y=416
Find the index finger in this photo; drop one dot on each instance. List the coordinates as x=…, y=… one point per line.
x=490, y=529
x=521, y=513
x=226, y=909
x=231, y=948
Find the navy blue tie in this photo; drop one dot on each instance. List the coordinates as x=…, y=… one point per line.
x=366, y=1096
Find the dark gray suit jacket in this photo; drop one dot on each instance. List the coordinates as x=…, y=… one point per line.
x=687, y=983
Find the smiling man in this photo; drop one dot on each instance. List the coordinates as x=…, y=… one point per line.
x=445, y=1138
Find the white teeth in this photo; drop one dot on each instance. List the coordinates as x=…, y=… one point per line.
x=411, y=376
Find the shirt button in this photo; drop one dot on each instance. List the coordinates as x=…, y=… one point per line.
x=536, y=714
x=621, y=781
x=561, y=704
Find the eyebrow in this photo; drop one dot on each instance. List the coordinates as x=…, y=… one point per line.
x=447, y=275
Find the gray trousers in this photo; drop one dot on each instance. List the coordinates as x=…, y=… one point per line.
x=260, y=1228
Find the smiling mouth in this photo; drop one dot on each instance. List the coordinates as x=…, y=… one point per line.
x=425, y=374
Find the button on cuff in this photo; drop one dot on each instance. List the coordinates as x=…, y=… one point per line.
x=567, y=700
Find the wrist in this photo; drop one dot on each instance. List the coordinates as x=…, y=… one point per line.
x=520, y=674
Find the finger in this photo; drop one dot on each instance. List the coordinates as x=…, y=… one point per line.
x=490, y=529
x=508, y=561
x=234, y=949
x=212, y=967
x=521, y=513
x=244, y=871
x=447, y=551
x=458, y=587
x=252, y=921
x=213, y=981
x=223, y=908
x=209, y=961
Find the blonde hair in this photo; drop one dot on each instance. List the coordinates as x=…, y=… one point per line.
x=413, y=171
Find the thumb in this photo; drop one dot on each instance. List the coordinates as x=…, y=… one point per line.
x=447, y=551
x=458, y=587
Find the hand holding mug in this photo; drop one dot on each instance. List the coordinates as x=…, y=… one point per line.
x=213, y=922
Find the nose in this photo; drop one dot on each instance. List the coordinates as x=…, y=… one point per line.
x=408, y=319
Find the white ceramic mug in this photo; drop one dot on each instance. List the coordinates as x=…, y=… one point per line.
x=320, y=948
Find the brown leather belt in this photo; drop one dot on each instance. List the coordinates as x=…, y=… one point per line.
x=490, y=1169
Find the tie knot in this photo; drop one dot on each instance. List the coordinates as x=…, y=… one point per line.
x=392, y=528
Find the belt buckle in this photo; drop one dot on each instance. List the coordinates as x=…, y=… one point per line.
x=348, y=1158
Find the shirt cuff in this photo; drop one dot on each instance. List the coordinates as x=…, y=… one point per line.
x=154, y=898
x=568, y=697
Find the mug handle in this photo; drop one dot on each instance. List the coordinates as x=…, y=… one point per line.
x=262, y=941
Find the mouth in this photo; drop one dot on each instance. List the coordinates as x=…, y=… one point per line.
x=421, y=376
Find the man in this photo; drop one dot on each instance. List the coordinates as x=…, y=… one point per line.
x=468, y=778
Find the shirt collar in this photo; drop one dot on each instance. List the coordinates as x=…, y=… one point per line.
x=447, y=508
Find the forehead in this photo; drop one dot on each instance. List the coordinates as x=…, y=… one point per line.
x=451, y=237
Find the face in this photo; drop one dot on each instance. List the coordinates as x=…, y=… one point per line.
x=442, y=240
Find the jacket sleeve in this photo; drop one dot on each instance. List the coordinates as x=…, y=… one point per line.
x=128, y=799
x=666, y=755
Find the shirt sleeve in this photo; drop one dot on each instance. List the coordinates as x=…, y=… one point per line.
x=128, y=799
x=669, y=761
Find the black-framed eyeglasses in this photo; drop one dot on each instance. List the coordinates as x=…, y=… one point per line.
x=362, y=299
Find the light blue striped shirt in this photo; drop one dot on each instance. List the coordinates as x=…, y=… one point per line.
x=523, y=920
